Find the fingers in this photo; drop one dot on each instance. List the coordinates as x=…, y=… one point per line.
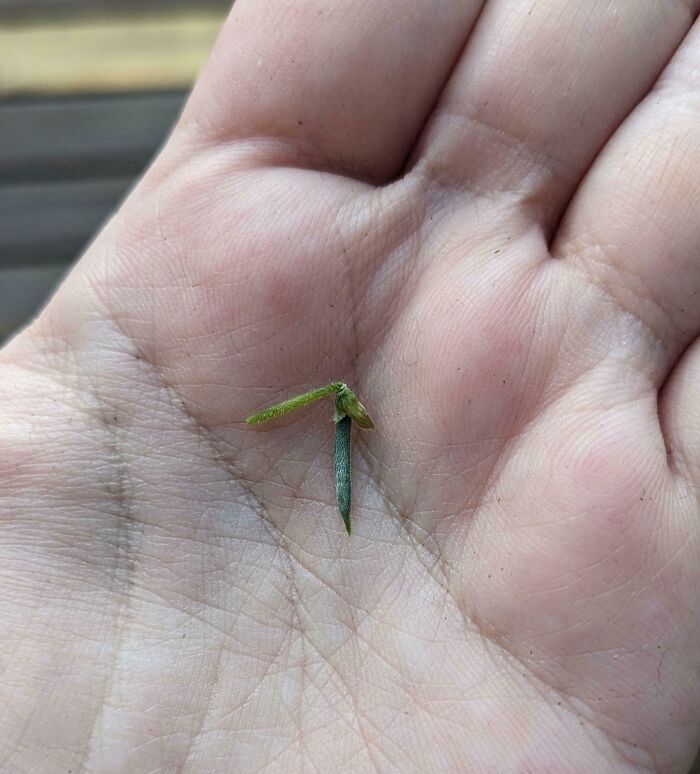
x=633, y=228
x=345, y=86
x=540, y=88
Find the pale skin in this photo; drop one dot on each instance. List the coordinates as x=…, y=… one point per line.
x=484, y=219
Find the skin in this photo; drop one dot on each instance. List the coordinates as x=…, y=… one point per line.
x=484, y=220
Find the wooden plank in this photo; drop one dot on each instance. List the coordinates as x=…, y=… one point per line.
x=74, y=138
x=52, y=222
x=122, y=53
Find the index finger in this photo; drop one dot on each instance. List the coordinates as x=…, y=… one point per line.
x=342, y=86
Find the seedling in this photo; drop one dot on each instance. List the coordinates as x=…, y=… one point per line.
x=347, y=408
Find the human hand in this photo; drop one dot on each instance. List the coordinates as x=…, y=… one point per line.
x=484, y=220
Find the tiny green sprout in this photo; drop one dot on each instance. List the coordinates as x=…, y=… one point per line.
x=347, y=408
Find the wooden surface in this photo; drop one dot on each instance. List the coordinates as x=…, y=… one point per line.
x=88, y=91
x=121, y=53
x=22, y=292
x=32, y=9
x=64, y=166
x=82, y=137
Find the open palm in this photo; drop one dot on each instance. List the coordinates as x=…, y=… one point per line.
x=483, y=218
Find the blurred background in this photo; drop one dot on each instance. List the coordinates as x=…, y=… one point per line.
x=88, y=92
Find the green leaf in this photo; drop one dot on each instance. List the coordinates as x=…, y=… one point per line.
x=293, y=403
x=342, y=459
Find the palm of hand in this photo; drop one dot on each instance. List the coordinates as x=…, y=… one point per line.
x=517, y=588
